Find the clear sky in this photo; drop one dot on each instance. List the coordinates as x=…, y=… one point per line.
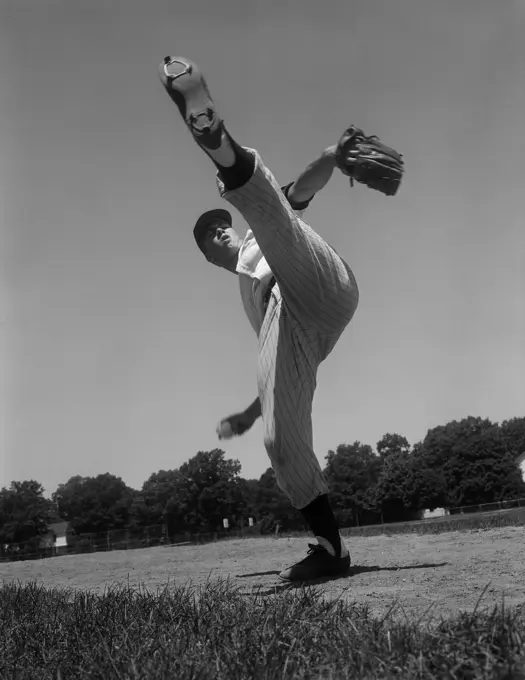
x=121, y=347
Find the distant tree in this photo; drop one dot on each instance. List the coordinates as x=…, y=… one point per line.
x=513, y=433
x=224, y=499
x=272, y=506
x=95, y=504
x=149, y=505
x=352, y=472
x=425, y=488
x=407, y=486
x=389, y=495
x=202, y=492
x=144, y=513
x=391, y=445
x=474, y=459
x=24, y=512
x=250, y=488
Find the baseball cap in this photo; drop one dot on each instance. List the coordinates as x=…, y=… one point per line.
x=208, y=218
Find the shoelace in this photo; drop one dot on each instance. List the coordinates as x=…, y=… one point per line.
x=315, y=547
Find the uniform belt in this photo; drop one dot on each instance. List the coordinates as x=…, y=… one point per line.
x=268, y=293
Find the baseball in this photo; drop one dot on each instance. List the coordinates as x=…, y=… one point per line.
x=224, y=430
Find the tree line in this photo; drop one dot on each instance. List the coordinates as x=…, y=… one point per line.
x=466, y=462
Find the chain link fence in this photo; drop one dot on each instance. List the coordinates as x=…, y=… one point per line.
x=122, y=539
x=488, y=507
x=128, y=539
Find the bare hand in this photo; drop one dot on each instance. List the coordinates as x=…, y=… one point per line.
x=234, y=425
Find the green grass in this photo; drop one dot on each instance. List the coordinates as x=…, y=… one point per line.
x=217, y=632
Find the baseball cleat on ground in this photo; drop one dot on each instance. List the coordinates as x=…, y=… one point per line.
x=317, y=564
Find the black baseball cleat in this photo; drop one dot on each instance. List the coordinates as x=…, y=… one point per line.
x=186, y=86
x=318, y=563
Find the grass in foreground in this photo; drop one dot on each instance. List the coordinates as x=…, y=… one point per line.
x=216, y=632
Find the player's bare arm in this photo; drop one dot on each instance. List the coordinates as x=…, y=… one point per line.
x=239, y=423
x=314, y=177
x=254, y=410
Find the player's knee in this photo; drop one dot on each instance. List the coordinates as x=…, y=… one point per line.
x=274, y=451
x=279, y=466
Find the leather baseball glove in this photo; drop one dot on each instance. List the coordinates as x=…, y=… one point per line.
x=369, y=161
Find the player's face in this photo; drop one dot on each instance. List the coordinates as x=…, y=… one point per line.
x=221, y=244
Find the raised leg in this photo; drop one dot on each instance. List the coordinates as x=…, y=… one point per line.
x=317, y=285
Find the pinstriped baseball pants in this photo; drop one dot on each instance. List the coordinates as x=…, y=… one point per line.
x=313, y=301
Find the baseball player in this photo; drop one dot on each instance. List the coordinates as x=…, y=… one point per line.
x=298, y=293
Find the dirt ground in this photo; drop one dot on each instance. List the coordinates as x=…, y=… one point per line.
x=446, y=572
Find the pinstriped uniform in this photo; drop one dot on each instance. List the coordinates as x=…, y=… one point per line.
x=313, y=301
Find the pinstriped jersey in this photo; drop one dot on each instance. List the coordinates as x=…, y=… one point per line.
x=254, y=277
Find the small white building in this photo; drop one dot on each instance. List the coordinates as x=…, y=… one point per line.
x=437, y=512
x=55, y=536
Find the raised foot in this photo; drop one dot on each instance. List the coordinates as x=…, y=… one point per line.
x=175, y=67
x=186, y=86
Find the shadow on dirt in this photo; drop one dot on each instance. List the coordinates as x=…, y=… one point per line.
x=354, y=571
x=259, y=573
x=264, y=589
